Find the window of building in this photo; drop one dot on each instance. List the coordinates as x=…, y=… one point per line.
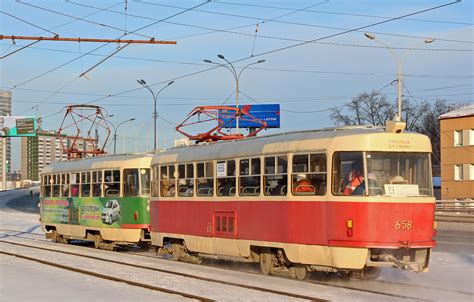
x=112, y=183
x=75, y=181
x=348, y=173
x=458, y=139
x=205, y=179
x=65, y=185
x=470, y=137
x=225, y=172
x=131, y=183
x=85, y=184
x=458, y=172
x=249, y=179
x=309, y=174
x=185, y=180
x=145, y=182
x=275, y=178
x=167, y=181
x=97, y=183
x=471, y=172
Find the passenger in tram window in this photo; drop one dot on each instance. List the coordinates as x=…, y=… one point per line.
x=354, y=183
x=303, y=185
x=75, y=191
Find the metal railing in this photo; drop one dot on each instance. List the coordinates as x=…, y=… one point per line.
x=455, y=210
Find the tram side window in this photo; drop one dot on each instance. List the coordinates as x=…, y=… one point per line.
x=348, y=173
x=155, y=184
x=145, y=182
x=185, y=180
x=167, y=181
x=96, y=183
x=75, y=180
x=205, y=179
x=65, y=185
x=225, y=178
x=85, y=184
x=46, y=185
x=309, y=174
x=275, y=178
x=249, y=179
x=56, y=185
x=130, y=182
x=112, y=183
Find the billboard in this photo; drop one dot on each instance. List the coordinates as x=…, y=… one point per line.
x=17, y=126
x=268, y=113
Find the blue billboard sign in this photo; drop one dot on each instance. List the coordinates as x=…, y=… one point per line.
x=268, y=113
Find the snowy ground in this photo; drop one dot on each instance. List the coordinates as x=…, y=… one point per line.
x=450, y=277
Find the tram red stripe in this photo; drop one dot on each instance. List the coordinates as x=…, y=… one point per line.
x=300, y=222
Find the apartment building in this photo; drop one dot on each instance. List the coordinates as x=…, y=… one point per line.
x=457, y=154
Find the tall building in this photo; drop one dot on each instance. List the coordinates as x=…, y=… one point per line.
x=5, y=109
x=457, y=154
x=44, y=149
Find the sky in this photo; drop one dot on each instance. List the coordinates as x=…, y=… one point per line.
x=306, y=79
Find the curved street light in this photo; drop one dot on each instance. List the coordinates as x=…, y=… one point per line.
x=399, y=60
x=236, y=77
x=155, y=98
x=116, y=129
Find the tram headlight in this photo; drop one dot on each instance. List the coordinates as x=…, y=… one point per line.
x=349, y=225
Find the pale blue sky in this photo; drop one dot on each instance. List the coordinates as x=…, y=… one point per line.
x=310, y=77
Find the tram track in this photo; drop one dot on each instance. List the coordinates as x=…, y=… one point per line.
x=322, y=283
x=200, y=278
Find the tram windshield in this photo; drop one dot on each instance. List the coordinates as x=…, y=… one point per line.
x=398, y=174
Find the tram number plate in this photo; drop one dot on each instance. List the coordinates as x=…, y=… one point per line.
x=403, y=225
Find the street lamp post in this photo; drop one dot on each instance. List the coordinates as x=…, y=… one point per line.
x=116, y=129
x=155, y=98
x=236, y=76
x=399, y=61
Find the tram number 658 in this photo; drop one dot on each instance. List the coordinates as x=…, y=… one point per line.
x=403, y=225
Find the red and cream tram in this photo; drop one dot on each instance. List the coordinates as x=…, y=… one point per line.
x=347, y=200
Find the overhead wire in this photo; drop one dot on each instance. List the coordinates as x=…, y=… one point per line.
x=27, y=22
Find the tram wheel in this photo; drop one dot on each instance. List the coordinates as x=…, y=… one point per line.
x=301, y=273
x=177, y=250
x=266, y=262
x=55, y=236
x=98, y=241
x=370, y=272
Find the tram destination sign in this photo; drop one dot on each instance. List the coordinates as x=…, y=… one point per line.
x=268, y=113
x=11, y=126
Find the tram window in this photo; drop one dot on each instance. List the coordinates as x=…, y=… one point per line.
x=145, y=182
x=112, y=183
x=185, y=180
x=75, y=180
x=167, y=181
x=249, y=180
x=85, y=184
x=97, y=183
x=275, y=178
x=64, y=185
x=205, y=179
x=56, y=185
x=46, y=186
x=309, y=174
x=225, y=178
x=348, y=173
x=155, y=184
x=130, y=182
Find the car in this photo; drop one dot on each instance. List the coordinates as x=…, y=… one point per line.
x=111, y=212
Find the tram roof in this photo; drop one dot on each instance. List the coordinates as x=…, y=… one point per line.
x=282, y=142
x=100, y=162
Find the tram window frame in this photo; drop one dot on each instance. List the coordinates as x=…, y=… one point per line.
x=226, y=183
x=145, y=181
x=75, y=184
x=168, y=179
x=250, y=176
x=97, y=181
x=113, y=184
x=275, y=172
x=155, y=181
x=47, y=185
x=65, y=185
x=205, y=179
x=311, y=176
x=185, y=180
x=340, y=174
x=86, y=184
x=131, y=182
x=55, y=185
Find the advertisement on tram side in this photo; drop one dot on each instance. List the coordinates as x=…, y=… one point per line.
x=95, y=211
